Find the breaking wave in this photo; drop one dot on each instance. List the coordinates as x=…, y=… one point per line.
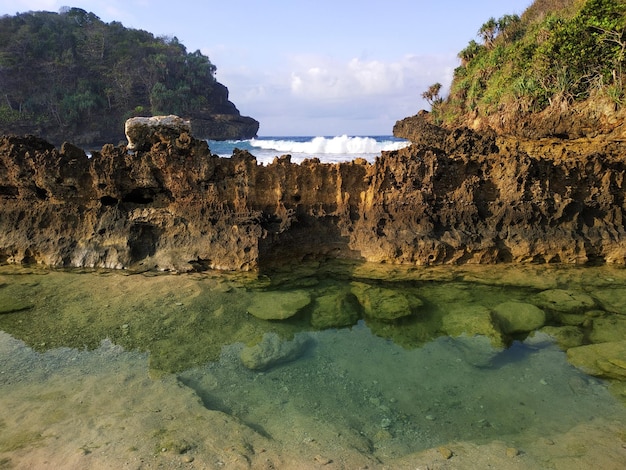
x=328, y=149
x=340, y=145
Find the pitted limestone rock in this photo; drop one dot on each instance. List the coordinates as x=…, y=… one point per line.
x=143, y=132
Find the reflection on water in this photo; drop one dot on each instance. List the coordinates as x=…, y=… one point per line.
x=384, y=361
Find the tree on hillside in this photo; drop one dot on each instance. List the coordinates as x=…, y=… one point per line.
x=63, y=70
x=470, y=52
x=507, y=25
x=432, y=94
x=488, y=31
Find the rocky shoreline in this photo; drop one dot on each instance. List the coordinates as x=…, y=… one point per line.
x=452, y=197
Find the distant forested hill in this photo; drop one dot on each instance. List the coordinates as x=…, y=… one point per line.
x=559, y=69
x=70, y=76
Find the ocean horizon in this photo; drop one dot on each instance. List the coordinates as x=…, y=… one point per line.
x=329, y=149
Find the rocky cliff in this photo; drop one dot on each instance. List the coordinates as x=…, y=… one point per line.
x=456, y=197
x=71, y=76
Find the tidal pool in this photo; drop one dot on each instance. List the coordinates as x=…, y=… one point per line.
x=367, y=366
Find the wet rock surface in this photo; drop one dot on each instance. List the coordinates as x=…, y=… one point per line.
x=452, y=197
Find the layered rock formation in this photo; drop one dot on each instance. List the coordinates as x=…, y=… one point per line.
x=456, y=197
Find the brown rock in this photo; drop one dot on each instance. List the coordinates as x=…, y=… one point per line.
x=456, y=197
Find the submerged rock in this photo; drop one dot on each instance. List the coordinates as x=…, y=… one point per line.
x=477, y=351
x=566, y=301
x=606, y=360
x=608, y=329
x=384, y=304
x=566, y=336
x=12, y=305
x=273, y=350
x=473, y=320
x=335, y=310
x=278, y=305
x=612, y=300
x=519, y=317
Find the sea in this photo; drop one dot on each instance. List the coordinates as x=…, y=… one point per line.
x=329, y=149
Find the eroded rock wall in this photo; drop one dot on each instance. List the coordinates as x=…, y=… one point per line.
x=459, y=198
x=514, y=205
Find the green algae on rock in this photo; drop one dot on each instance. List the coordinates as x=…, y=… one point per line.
x=472, y=320
x=519, y=317
x=606, y=360
x=385, y=304
x=566, y=336
x=278, y=305
x=608, y=329
x=335, y=310
x=9, y=305
x=565, y=301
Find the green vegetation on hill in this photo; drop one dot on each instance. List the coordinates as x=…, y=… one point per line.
x=558, y=54
x=70, y=75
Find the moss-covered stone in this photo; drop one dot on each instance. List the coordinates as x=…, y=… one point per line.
x=566, y=301
x=519, y=317
x=278, y=305
x=473, y=320
x=602, y=360
x=566, y=336
x=10, y=305
x=384, y=304
x=613, y=300
x=608, y=329
x=335, y=310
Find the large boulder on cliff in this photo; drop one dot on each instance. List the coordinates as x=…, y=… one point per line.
x=143, y=132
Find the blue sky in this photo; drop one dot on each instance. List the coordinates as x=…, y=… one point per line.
x=313, y=67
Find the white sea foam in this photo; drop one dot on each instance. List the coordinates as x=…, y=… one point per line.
x=340, y=145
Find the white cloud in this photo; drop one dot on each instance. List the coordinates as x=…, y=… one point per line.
x=323, y=95
x=328, y=79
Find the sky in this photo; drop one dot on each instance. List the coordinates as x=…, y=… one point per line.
x=313, y=67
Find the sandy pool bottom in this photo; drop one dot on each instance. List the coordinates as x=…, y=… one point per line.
x=101, y=410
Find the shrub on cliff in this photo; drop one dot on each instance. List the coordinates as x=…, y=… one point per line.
x=558, y=53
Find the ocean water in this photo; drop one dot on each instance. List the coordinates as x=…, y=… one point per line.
x=328, y=149
x=102, y=369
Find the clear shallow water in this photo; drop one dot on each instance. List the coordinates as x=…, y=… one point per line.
x=328, y=149
x=128, y=345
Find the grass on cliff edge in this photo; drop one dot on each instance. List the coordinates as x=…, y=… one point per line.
x=557, y=53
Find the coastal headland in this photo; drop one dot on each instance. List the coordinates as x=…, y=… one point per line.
x=454, y=196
